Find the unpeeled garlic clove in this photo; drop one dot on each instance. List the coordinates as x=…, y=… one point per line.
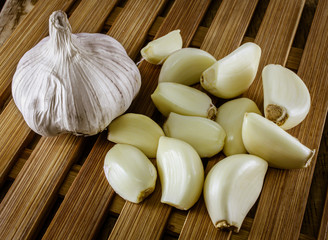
x=286, y=98
x=137, y=130
x=185, y=66
x=129, y=172
x=267, y=140
x=180, y=171
x=232, y=75
x=174, y=97
x=156, y=51
x=232, y=187
x=230, y=116
x=204, y=135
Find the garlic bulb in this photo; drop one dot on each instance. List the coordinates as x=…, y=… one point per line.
x=137, y=130
x=267, y=140
x=204, y=135
x=185, y=66
x=130, y=172
x=232, y=75
x=287, y=100
x=74, y=83
x=180, y=171
x=175, y=97
x=156, y=51
x=230, y=116
x=232, y=187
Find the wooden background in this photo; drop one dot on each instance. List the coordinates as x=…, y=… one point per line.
x=54, y=188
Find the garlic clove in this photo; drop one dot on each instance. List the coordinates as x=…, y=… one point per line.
x=156, y=51
x=180, y=171
x=185, y=66
x=230, y=116
x=232, y=75
x=129, y=172
x=267, y=140
x=204, y=135
x=287, y=100
x=231, y=188
x=137, y=130
x=174, y=97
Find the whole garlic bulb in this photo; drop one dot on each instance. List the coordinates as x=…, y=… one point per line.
x=74, y=83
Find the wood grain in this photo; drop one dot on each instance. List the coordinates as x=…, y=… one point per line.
x=283, y=200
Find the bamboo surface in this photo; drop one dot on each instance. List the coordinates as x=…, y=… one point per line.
x=54, y=188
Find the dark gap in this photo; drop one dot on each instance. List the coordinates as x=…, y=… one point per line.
x=34, y=141
x=43, y=226
x=106, y=228
x=166, y=8
x=5, y=188
x=71, y=9
x=2, y=2
x=257, y=18
x=168, y=236
x=88, y=145
x=210, y=13
x=121, y=3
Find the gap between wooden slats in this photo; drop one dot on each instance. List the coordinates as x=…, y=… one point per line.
x=142, y=221
x=98, y=194
x=27, y=34
x=280, y=215
x=45, y=185
x=223, y=36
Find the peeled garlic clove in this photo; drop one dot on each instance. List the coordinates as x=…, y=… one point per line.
x=75, y=83
x=129, y=172
x=185, y=66
x=180, y=171
x=233, y=74
x=156, y=51
x=204, y=135
x=230, y=116
x=232, y=187
x=174, y=97
x=137, y=130
x=286, y=98
x=267, y=140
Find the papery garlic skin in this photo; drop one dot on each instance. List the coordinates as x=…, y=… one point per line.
x=231, y=188
x=137, y=130
x=75, y=83
x=287, y=99
x=181, y=173
x=185, y=66
x=267, y=140
x=204, y=135
x=156, y=51
x=175, y=97
x=129, y=172
x=232, y=75
x=230, y=116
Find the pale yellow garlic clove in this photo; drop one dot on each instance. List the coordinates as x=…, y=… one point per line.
x=181, y=173
x=232, y=187
x=267, y=140
x=204, y=135
x=233, y=74
x=230, y=116
x=174, y=97
x=129, y=172
x=287, y=100
x=156, y=51
x=185, y=66
x=137, y=130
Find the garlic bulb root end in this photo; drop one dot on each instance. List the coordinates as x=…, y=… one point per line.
x=277, y=114
x=212, y=112
x=223, y=224
x=144, y=194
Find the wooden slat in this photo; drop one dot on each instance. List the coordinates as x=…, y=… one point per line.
x=283, y=200
x=142, y=221
x=224, y=35
x=35, y=187
x=50, y=151
x=90, y=185
x=27, y=34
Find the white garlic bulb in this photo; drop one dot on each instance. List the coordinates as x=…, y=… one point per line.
x=74, y=83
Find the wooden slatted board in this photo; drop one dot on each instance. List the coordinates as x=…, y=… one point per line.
x=54, y=188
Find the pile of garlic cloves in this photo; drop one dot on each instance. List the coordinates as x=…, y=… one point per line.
x=195, y=129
